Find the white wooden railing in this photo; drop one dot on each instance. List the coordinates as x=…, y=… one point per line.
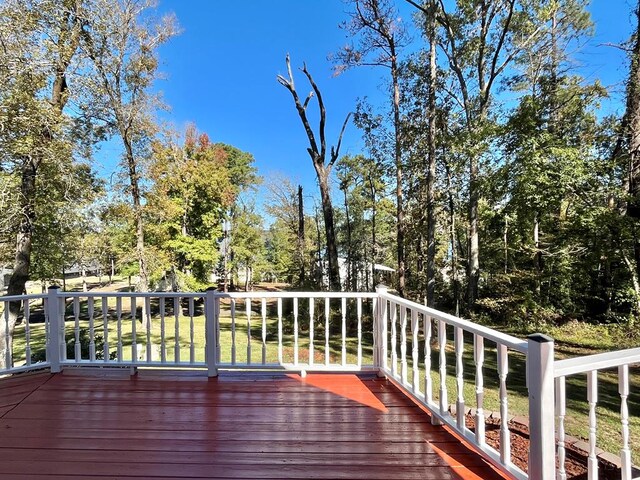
x=407, y=324
x=423, y=351
x=591, y=365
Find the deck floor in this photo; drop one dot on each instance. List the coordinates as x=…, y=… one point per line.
x=107, y=424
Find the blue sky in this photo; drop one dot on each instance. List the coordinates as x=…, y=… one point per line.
x=221, y=73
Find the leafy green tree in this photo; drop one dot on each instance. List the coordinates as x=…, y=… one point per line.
x=247, y=243
x=381, y=38
x=122, y=44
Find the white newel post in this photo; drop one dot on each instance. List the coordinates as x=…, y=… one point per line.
x=540, y=382
x=379, y=325
x=211, y=331
x=56, y=346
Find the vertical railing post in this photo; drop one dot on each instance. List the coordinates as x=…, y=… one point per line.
x=540, y=382
x=56, y=346
x=379, y=328
x=211, y=331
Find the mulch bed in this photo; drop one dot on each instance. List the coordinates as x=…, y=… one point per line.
x=576, y=461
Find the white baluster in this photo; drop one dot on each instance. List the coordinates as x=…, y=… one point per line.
x=359, y=312
x=62, y=334
x=176, y=326
x=460, y=404
x=233, y=331
x=163, y=339
x=248, y=313
x=280, y=359
x=147, y=320
x=192, y=342
x=76, y=329
x=394, y=338
x=403, y=345
x=105, y=329
x=343, y=310
x=46, y=323
x=217, y=332
x=92, y=337
x=428, y=382
x=119, y=326
x=8, y=354
x=625, y=452
x=478, y=356
x=592, y=398
x=561, y=412
x=327, y=313
x=415, y=328
x=264, y=331
x=7, y=339
x=134, y=331
x=505, y=436
x=384, y=315
x=27, y=331
x=295, y=331
x=442, y=345
x=311, y=332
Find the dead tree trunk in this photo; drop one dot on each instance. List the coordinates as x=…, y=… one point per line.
x=318, y=153
x=301, y=235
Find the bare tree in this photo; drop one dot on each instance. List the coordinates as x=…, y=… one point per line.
x=318, y=152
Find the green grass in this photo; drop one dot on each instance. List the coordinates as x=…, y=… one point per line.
x=572, y=339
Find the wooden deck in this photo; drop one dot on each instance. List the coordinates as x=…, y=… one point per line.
x=107, y=424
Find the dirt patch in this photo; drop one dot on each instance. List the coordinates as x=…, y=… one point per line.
x=576, y=461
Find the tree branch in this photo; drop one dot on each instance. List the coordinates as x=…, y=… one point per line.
x=323, y=112
x=335, y=152
x=290, y=85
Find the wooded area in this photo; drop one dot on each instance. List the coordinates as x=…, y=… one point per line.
x=491, y=180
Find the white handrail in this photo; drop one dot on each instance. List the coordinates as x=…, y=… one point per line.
x=509, y=341
x=599, y=361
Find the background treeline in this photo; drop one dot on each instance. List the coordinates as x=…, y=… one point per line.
x=492, y=180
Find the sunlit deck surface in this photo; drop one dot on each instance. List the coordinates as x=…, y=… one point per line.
x=108, y=424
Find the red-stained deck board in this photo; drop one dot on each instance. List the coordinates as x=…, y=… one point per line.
x=249, y=426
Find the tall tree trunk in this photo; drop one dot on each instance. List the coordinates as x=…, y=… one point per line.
x=632, y=123
x=400, y=226
x=136, y=198
x=83, y=272
x=453, y=242
x=301, y=236
x=374, y=247
x=320, y=277
x=431, y=177
x=332, y=246
x=22, y=261
x=349, y=282
x=473, y=265
x=538, y=252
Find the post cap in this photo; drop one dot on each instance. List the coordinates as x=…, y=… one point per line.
x=540, y=338
x=54, y=286
x=381, y=286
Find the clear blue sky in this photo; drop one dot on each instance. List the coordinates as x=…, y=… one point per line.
x=221, y=73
